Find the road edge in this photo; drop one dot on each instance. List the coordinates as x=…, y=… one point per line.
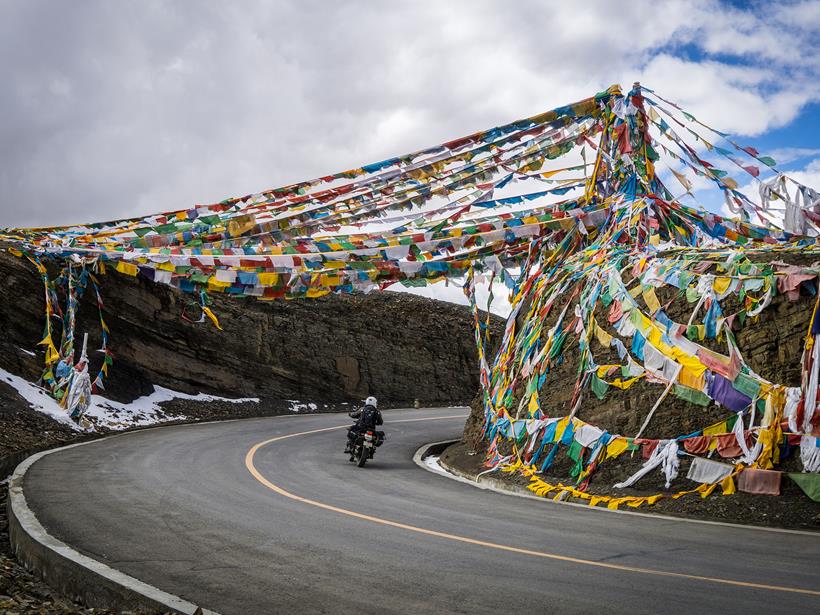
x=491, y=483
x=76, y=575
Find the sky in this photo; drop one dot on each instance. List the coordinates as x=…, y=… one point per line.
x=111, y=109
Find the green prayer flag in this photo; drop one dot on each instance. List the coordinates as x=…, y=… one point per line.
x=809, y=483
x=747, y=385
x=691, y=395
x=692, y=332
x=558, y=345
x=574, y=451
x=164, y=229
x=598, y=386
x=692, y=294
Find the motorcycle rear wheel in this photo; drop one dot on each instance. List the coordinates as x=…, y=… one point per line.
x=363, y=455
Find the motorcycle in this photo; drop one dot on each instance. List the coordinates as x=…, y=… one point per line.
x=365, y=445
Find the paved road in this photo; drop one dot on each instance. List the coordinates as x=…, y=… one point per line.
x=178, y=507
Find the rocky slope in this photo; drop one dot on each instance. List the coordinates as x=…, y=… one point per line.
x=771, y=343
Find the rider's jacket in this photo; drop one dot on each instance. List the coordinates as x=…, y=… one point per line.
x=367, y=418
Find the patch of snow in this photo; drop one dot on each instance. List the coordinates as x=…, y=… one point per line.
x=28, y=352
x=145, y=410
x=298, y=406
x=107, y=413
x=38, y=399
x=5, y=481
x=431, y=461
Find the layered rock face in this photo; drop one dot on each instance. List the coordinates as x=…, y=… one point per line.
x=397, y=347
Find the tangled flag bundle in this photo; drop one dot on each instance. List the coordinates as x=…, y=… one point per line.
x=585, y=251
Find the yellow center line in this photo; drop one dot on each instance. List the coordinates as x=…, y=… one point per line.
x=249, y=464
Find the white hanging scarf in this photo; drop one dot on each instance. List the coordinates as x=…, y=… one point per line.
x=810, y=454
x=664, y=455
x=707, y=471
x=749, y=456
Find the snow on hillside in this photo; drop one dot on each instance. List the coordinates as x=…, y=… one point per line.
x=105, y=413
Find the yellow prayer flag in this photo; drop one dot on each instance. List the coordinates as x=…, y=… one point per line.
x=616, y=447
x=52, y=356
x=51, y=352
x=728, y=485
x=615, y=502
x=217, y=285
x=651, y=300
x=603, y=370
x=241, y=224
x=559, y=428
x=624, y=384
x=267, y=279
x=212, y=316
x=721, y=285
x=604, y=338
x=691, y=379
x=127, y=268
x=716, y=429
x=312, y=293
x=328, y=279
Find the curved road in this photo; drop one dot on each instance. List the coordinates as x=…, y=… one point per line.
x=209, y=513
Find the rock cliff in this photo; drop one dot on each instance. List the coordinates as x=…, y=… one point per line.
x=398, y=347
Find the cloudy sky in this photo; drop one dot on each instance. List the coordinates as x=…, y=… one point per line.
x=111, y=109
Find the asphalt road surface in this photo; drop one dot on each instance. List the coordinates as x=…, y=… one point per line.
x=208, y=513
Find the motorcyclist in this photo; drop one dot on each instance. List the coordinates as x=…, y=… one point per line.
x=367, y=418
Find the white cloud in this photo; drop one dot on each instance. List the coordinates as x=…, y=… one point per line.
x=119, y=109
x=453, y=293
x=809, y=175
x=787, y=155
x=732, y=99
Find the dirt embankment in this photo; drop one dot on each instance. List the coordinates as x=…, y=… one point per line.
x=791, y=509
